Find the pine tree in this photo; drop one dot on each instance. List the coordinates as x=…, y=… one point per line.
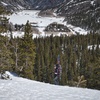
x=76, y=59
x=6, y=61
x=27, y=53
x=14, y=48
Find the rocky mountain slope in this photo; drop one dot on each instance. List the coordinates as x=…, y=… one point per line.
x=45, y=4
x=83, y=13
x=16, y=4
x=30, y=4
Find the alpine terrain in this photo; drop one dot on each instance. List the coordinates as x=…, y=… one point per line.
x=83, y=13
x=53, y=46
x=23, y=89
x=30, y=4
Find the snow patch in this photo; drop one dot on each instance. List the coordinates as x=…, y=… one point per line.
x=92, y=2
x=4, y=4
x=91, y=47
x=23, y=89
x=76, y=30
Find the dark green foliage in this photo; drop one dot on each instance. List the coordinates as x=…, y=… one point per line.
x=3, y=20
x=55, y=27
x=35, y=59
x=6, y=61
x=76, y=59
x=4, y=24
x=27, y=53
x=3, y=10
x=18, y=54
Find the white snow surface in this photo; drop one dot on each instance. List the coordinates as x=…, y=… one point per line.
x=91, y=47
x=4, y=4
x=23, y=89
x=32, y=15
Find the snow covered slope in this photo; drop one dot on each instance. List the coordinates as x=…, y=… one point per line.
x=32, y=16
x=42, y=22
x=24, y=89
x=82, y=13
x=29, y=4
x=45, y=4
x=13, y=5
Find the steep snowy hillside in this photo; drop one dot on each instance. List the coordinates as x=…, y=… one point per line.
x=16, y=4
x=46, y=4
x=24, y=89
x=84, y=13
x=30, y=4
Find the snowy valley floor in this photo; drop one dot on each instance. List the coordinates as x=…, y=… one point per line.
x=24, y=89
x=42, y=22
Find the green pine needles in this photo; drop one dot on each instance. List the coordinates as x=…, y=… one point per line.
x=80, y=56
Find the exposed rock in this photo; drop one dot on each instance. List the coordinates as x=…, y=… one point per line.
x=30, y=4
x=82, y=13
x=46, y=13
x=55, y=27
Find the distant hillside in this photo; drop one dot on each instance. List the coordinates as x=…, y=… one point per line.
x=16, y=4
x=30, y=4
x=46, y=4
x=83, y=13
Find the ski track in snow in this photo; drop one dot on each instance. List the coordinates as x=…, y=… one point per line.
x=24, y=89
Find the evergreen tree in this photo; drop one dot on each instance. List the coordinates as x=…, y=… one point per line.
x=27, y=53
x=6, y=61
x=76, y=58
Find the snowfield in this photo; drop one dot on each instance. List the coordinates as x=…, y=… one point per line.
x=91, y=47
x=23, y=89
x=32, y=15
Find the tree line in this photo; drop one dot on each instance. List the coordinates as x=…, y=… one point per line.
x=77, y=59
x=35, y=58
x=18, y=54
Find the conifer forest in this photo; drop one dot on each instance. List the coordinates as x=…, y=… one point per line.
x=77, y=59
x=35, y=58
